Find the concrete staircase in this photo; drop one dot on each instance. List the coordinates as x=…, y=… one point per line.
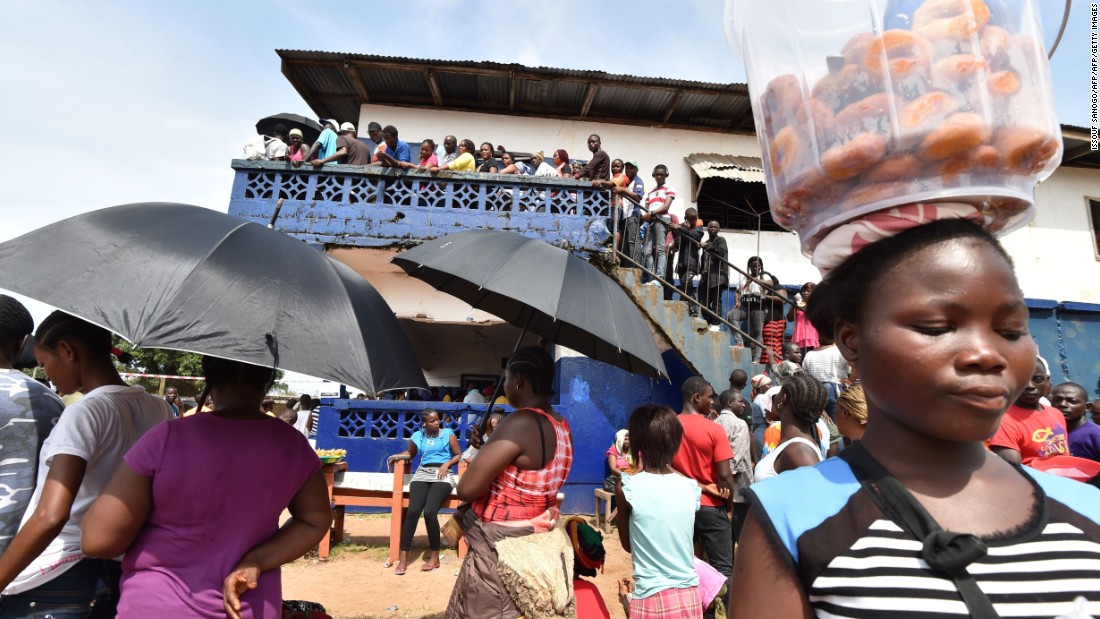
x=704, y=352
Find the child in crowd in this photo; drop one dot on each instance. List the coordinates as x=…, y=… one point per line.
x=1029, y=430
x=918, y=517
x=1071, y=400
x=43, y=569
x=656, y=519
x=804, y=336
x=588, y=556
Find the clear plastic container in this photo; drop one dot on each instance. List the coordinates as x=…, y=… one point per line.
x=862, y=105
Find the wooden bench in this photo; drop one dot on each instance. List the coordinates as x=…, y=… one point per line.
x=374, y=490
x=608, y=514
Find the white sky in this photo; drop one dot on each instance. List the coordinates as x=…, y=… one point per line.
x=112, y=102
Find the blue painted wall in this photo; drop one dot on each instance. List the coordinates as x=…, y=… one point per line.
x=596, y=399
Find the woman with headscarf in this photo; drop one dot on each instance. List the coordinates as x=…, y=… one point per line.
x=297, y=150
x=512, y=485
x=618, y=459
x=538, y=159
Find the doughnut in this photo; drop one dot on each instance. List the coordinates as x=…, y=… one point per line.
x=1026, y=150
x=983, y=158
x=855, y=50
x=957, y=20
x=780, y=102
x=848, y=160
x=787, y=151
x=923, y=115
x=908, y=77
x=808, y=189
x=1003, y=83
x=957, y=134
x=871, y=114
x=840, y=88
x=958, y=73
x=894, y=45
x=896, y=168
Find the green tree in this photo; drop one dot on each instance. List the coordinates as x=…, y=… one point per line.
x=172, y=363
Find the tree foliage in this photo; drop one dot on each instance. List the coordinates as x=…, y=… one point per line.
x=171, y=363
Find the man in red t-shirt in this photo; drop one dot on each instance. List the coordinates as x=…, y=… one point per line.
x=1030, y=431
x=705, y=456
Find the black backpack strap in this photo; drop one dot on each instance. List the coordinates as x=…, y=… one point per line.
x=945, y=552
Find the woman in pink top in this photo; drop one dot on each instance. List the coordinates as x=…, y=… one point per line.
x=512, y=485
x=805, y=335
x=427, y=158
x=195, y=507
x=297, y=150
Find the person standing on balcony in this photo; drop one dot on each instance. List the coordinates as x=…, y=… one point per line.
x=715, y=272
x=489, y=163
x=598, y=167
x=657, y=202
x=325, y=146
x=349, y=150
x=275, y=148
x=538, y=159
x=627, y=192
x=450, y=150
x=396, y=150
x=561, y=163
x=463, y=163
x=297, y=150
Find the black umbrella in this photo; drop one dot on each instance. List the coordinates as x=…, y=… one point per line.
x=189, y=278
x=310, y=128
x=534, y=285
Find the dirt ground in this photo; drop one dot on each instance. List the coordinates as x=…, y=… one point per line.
x=353, y=584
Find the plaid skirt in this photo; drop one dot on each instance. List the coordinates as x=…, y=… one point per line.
x=669, y=604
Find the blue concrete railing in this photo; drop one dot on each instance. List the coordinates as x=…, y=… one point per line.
x=355, y=206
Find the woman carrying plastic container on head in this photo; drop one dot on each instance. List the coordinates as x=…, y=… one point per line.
x=894, y=153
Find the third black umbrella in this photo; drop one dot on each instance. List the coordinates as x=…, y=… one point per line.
x=532, y=284
x=310, y=128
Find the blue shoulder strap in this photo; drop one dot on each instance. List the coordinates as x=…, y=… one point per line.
x=801, y=499
x=1081, y=498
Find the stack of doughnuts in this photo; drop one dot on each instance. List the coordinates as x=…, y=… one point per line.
x=956, y=102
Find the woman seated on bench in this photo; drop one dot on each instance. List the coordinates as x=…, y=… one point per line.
x=430, y=486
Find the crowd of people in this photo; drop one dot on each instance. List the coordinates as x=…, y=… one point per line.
x=910, y=444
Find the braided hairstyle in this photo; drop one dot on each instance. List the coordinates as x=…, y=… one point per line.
x=62, y=326
x=806, y=395
x=536, y=366
x=854, y=402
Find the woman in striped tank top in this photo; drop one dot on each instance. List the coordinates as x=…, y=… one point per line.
x=512, y=485
x=918, y=519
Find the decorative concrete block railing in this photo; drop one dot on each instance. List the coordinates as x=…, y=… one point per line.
x=374, y=207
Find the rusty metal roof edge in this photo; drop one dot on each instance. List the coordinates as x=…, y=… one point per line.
x=413, y=63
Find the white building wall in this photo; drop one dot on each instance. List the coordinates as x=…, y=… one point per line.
x=1055, y=254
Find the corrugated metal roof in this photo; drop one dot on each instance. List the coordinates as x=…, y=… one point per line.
x=714, y=165
x=326, y=79
x=335, y=84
